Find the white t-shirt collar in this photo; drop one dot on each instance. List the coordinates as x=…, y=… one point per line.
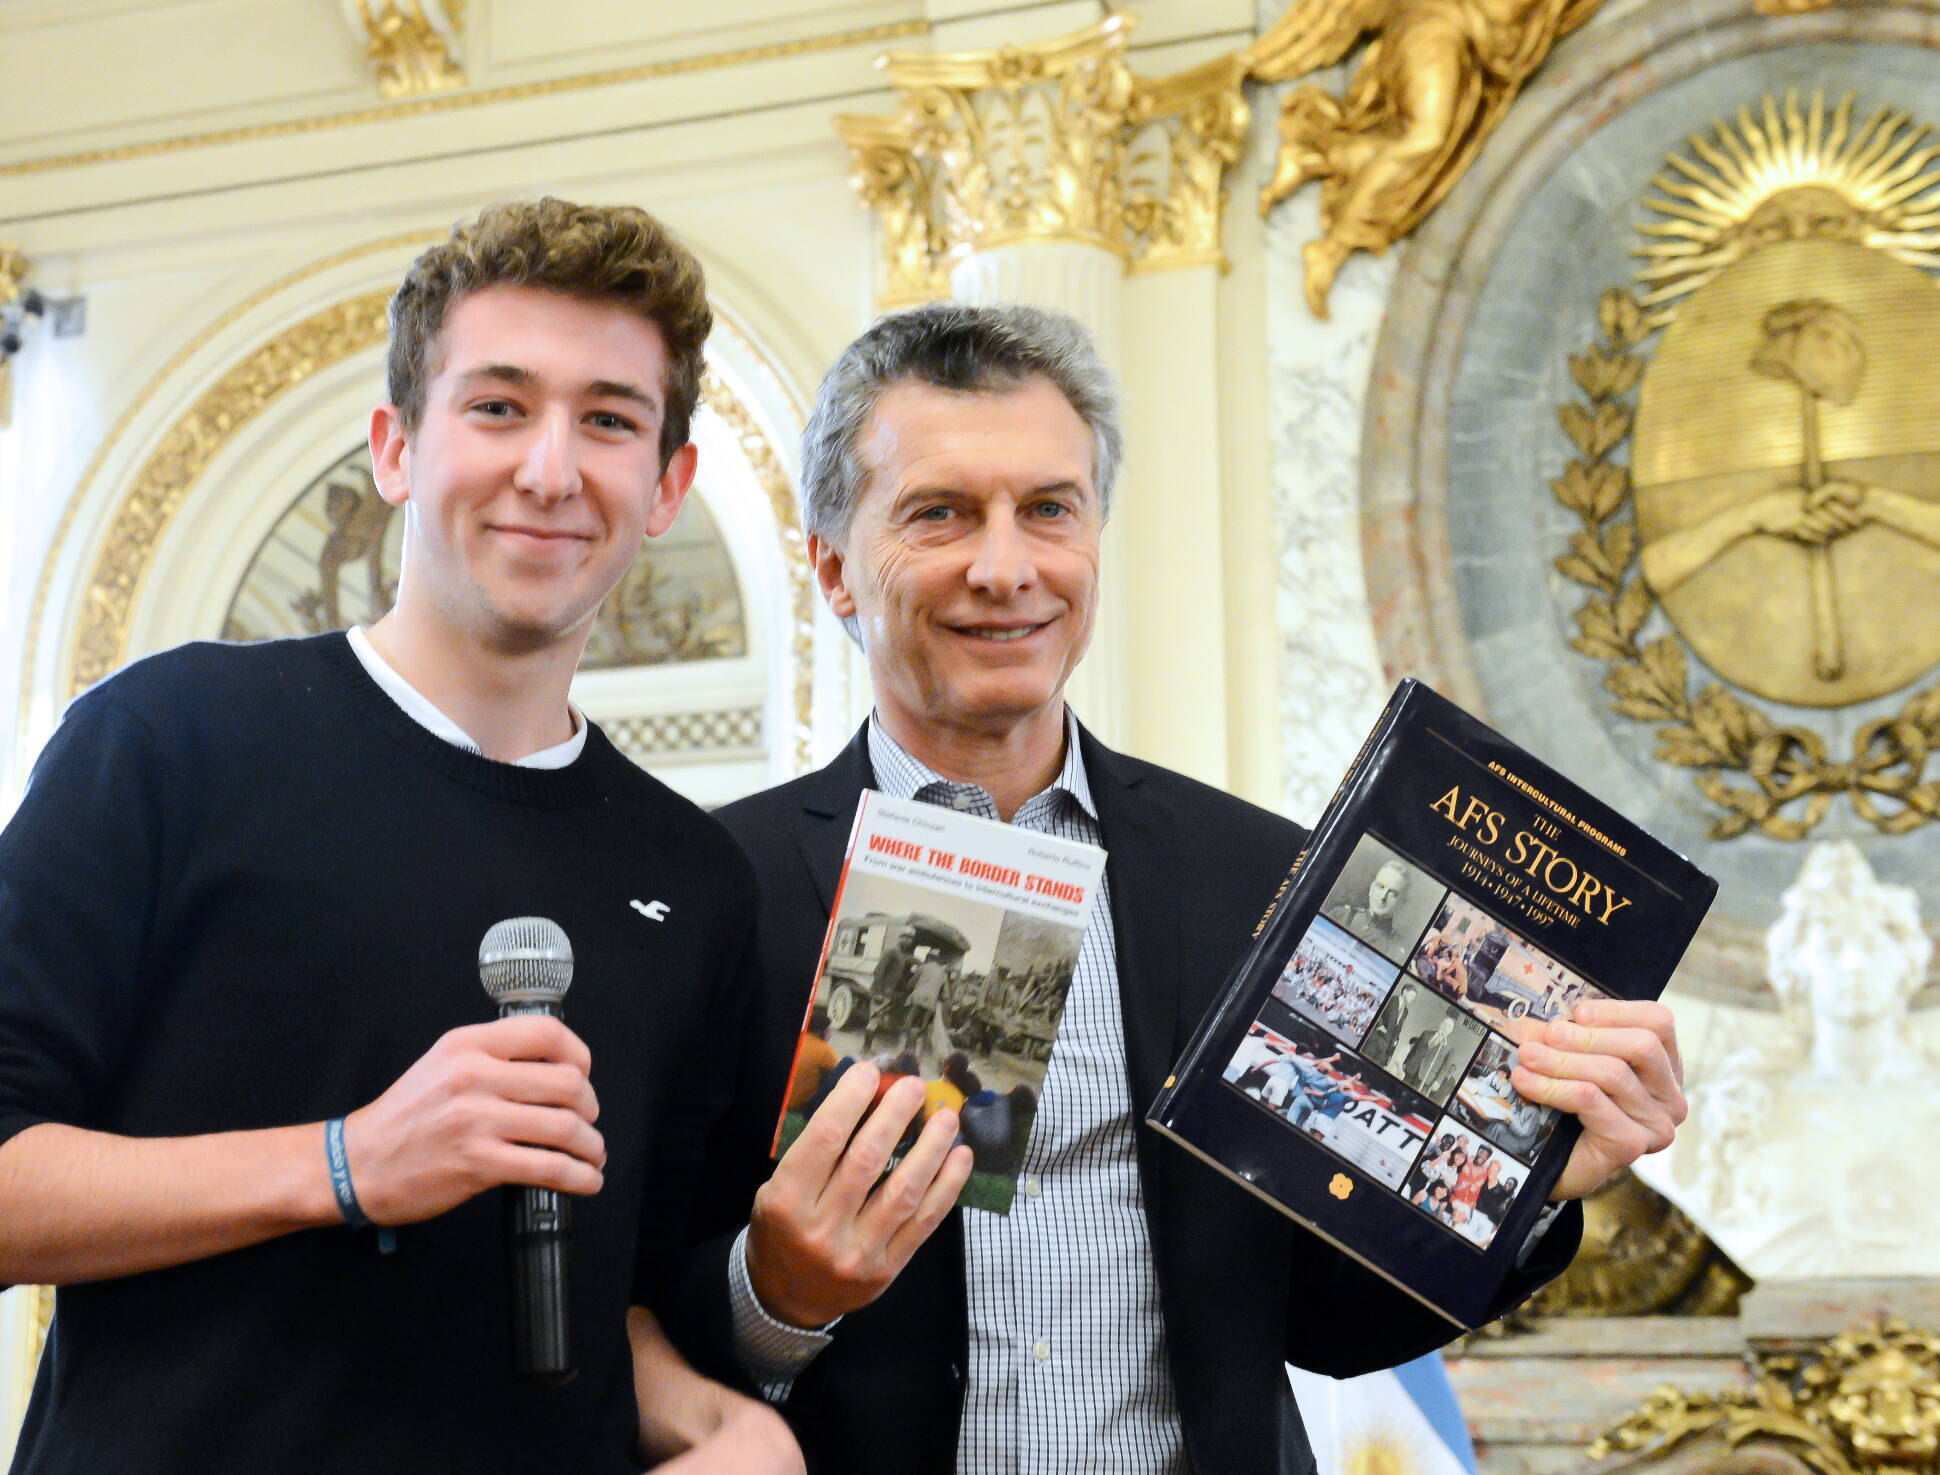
x=419, y=708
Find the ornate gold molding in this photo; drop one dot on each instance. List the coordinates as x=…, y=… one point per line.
x=1194, y=123
x=37, y=614
x=40, y=1313
x=101, y=635
x=484, y=97
x=1057, y=140
x=1867, y=1401
x=780, y=490
x=416, y=45
x=1430, y=88
x=13, y=271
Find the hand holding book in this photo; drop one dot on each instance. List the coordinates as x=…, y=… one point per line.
x=1614, y=1066
x=829, y=1231
x=950, y=948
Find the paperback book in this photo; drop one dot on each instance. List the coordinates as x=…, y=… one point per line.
x=950, y=952
x=1355, y=1072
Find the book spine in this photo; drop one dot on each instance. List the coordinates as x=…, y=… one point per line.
x=821, y=964
x=1266, y=934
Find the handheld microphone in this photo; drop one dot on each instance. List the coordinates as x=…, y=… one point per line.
x=526, y=965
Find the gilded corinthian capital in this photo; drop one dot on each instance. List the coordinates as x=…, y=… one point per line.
x=1053, y=141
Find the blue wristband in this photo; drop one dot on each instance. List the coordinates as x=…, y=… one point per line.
x=340, y=1184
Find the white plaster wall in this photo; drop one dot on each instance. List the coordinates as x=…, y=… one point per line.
x=1332, y=685
x=1331, y=682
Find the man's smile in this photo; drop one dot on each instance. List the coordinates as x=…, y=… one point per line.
x=538, y=537
x=1001, y=633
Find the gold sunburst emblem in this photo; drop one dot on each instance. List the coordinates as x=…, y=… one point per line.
x=1780, y=509
x=1791, y=172
x=1382, y=1446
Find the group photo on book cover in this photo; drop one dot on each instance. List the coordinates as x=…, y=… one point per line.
x=1409, y=983
x=1359, y=1114
x=949, y=957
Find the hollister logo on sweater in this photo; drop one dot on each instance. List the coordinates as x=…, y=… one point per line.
x=653, y=911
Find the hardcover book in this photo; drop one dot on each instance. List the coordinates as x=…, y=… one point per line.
x=950, y=951
x=1355, y=1071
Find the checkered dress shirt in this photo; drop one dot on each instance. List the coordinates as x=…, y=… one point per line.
x=1068, y=1367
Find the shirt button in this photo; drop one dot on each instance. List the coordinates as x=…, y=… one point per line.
x=963, y=801
x=1033, y=1185
x=1041, y=1350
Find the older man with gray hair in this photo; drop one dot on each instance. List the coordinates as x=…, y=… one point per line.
x=1133, y=1311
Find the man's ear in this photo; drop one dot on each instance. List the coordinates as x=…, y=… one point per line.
x=671, y=490
x=390, y=455
x=831, y=572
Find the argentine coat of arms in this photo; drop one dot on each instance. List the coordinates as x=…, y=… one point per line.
x=1769, y=556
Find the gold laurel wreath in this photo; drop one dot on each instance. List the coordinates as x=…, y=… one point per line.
x=1791, y=781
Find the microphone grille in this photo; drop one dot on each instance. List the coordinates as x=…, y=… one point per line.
x=525, y=960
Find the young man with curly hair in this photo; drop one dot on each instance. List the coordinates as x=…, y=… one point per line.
x=252, y=1096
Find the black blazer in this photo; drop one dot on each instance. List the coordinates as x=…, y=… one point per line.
x=1241, y=1288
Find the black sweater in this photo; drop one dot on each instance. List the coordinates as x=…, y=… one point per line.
x=244, y=890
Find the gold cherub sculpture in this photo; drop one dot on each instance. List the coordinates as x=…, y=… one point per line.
x=1432, y=85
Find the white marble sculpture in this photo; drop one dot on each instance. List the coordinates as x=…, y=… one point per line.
x=1809, y=1154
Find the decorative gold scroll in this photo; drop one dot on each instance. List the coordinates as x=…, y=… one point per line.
x=414, y=44
x=1053, y=141
x=1188, y=130
x=1780, y=507
x=40, y=1316
x=13, y=272
x=1058, y=140
x=899, y=185
x=1865, y=1403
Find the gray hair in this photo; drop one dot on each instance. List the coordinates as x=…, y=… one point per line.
x=951, y=345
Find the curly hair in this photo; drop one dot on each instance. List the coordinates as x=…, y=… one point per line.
x=605, y=253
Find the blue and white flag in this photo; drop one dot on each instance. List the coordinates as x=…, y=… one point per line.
x=1404, y=1421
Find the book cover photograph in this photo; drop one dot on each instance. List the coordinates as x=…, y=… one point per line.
x=1356, y=1071
x=949, y=954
